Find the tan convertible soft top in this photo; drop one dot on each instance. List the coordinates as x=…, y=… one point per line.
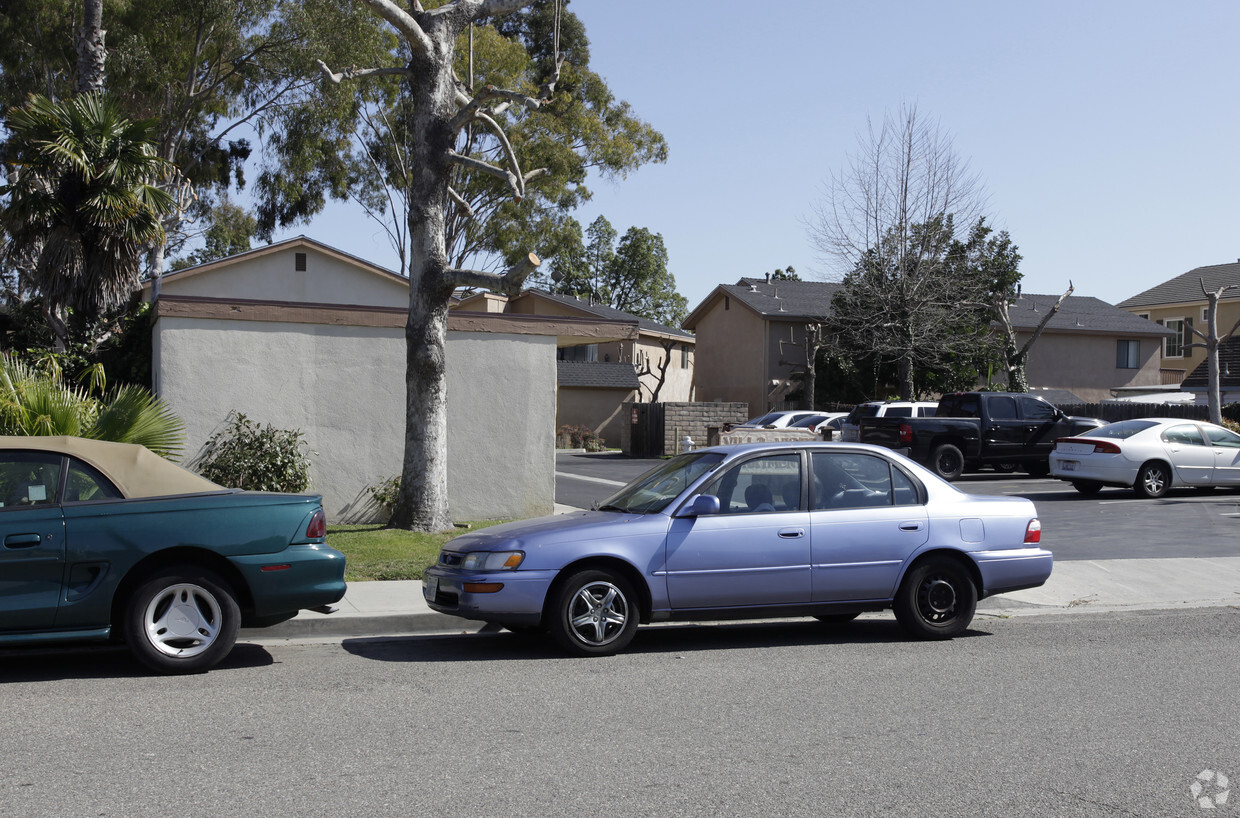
x=136, y=470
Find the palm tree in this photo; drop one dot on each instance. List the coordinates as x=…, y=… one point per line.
x=83, y=203
x=36, y=401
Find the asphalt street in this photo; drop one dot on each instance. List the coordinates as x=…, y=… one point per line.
x=1114, y=524
x=1058, y=715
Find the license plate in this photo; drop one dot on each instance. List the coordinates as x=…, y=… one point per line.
x=430, y=587
x=1068, y=465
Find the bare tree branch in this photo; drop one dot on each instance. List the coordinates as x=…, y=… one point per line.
x=352, y=73
x=1042, y=324
x=516, y=183
x=405, y=24
x=509, y=282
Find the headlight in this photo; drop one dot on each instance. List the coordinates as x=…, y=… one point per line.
x=492, y=560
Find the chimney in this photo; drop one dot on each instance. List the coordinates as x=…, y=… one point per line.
x=768, y=278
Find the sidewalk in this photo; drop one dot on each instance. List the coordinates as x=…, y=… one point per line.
x=392, y=608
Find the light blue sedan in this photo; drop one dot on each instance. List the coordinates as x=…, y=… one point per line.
x=749, y=532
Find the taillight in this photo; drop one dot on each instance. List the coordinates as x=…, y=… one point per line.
x=1033, y=532
x=906, y=433
x=318, y=526
x=1100, y=446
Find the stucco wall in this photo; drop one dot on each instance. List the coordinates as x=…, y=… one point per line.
x=598, y=409
x=271, y=276
x=343, y=386
x=728, y=358
x=677, y=381
x=1085, y=364
x=1228, y=315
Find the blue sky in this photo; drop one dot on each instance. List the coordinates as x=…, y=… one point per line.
x=1106, y=133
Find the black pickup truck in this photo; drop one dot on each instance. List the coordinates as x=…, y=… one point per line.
x=972, y=429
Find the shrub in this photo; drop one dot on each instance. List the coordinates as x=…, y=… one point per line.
x=248, y=456
x=385, y=492
x=579, y=437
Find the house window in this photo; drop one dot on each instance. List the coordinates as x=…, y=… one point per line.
x=1173, y=347
x=1128, y=354
x=586, y=352
x=684, y=357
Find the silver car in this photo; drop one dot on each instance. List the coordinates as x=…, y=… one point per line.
x=1149, y=455
x=749, y=531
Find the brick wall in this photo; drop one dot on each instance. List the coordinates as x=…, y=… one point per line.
x=700, y=421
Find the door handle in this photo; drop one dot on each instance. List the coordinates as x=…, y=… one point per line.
x=22, y=540
x=792, y=533
x=910, y=526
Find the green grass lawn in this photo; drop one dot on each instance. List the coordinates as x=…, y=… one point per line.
x=375, y=552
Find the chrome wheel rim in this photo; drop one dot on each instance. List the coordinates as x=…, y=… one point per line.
x=182, y=620
x=598, y=613
x=1154, y=481
x=936, y=599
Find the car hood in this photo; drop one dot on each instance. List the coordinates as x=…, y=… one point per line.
x=573, y=527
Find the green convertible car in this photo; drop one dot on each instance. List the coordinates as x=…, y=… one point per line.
x=110, y=541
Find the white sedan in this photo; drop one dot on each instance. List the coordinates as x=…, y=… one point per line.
x=1149, y=455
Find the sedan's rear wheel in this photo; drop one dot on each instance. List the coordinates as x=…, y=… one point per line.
x=594, y=613
x=936, y=600
x=183, y=619
x=1153, y=480
x=1087, y=487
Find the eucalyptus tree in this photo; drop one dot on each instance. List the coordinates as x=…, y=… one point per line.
x=441, y=115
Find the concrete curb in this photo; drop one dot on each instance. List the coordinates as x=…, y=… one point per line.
x=393, y=608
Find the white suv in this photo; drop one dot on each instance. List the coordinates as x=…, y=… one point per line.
x=884, y=408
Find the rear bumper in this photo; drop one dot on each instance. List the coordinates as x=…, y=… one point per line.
x=300, y=576
x=1013, y=569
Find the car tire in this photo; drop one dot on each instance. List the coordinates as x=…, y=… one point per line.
x=594, y=613
x=183, y=619
x=1152, y=481
x=1087, y=487
x=1006, y=468
x=947, y=462
x=936, y=600
x=837, y=619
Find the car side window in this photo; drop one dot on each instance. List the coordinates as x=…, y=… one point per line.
x=29, y=478
x=1185, y=435
x=1223, y=438
x=84, y=483
x=1033, y=409
x=859, y=480
x=1003, y=408
x=760, y=486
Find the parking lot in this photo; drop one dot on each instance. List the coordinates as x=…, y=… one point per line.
x=1114, y=524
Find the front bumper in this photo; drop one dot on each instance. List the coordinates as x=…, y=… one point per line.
x=519, y=602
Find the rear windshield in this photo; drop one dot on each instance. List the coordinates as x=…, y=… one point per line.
x=812, y=420
x=1122, y=430
x=865, y=410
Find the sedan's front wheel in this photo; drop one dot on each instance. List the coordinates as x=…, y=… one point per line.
x=1153, y=480
x=936, y=600
x=594, y=613
x=183, y=619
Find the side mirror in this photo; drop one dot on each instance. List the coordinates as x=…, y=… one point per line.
x=702, y=505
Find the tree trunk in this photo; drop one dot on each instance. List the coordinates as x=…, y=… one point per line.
x=91, y=54
x=422, y=503
x=906, y=377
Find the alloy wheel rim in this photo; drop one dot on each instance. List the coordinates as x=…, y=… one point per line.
x=598, y=613
x=182, y=620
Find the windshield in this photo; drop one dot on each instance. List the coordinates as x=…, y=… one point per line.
x=811, y=421
x=765, y=419
x=1122, y=430
x=654, y=490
